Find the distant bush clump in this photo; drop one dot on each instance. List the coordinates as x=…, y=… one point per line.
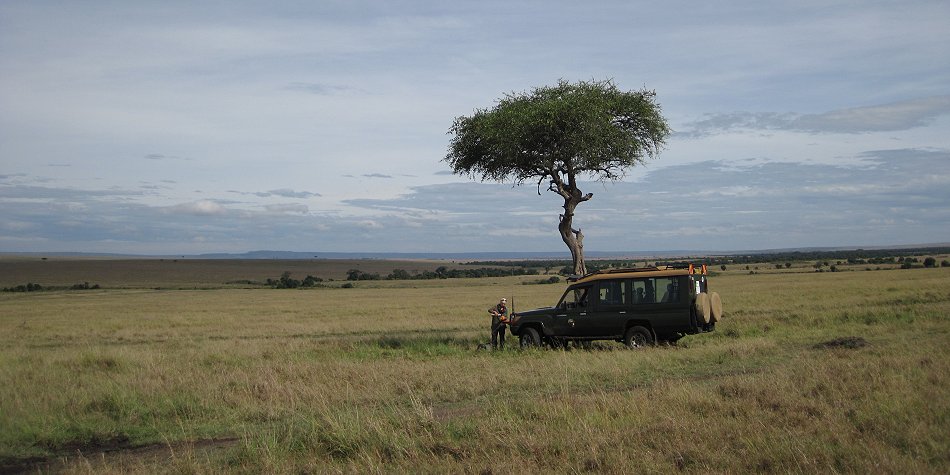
x=286, y=282
x=84, y=286
x=29, y=287
x=443, y=272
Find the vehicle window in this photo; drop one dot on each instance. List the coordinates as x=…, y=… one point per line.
x=575, y=298
x=643, y=291
x=656, y=290
x=612, y=293
x=667, y=289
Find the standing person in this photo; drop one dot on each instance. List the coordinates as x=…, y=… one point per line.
x=499, y=319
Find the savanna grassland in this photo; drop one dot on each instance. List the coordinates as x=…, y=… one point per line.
x=832, y=372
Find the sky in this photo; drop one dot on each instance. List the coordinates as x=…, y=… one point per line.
x=190, y=127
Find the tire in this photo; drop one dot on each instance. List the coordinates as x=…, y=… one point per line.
x=703, y=308
x=715, y=306
x=529, y=338
x=638, y=337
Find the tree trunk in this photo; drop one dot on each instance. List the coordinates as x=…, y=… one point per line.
x=574, y=239
x=572, y=197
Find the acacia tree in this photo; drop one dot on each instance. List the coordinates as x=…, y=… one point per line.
x=560, y=134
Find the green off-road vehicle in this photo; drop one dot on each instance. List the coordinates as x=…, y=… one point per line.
x=638, y=306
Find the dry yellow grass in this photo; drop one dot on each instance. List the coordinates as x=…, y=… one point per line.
x=389, y=379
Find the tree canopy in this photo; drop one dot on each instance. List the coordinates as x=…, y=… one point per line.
x=559, y=134
x=590, y=128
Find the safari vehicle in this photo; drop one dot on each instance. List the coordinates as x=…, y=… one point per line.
x=637, y=306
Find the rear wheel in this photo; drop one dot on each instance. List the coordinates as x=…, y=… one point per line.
x=529, y=338
x=638, y=337
x=703, y=308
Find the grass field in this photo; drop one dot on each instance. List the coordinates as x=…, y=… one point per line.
x=830, y=372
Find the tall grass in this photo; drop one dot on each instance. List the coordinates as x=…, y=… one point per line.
x=391, y=379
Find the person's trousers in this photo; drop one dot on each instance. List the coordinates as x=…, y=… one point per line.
x=498, y=335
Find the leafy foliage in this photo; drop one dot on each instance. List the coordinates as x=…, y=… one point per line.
x=553, y=132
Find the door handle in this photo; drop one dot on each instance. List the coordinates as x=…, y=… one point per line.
x=583, y=313
x=624, y=312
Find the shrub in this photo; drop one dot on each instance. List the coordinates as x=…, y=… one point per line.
x=84, y=286
x=29, y=287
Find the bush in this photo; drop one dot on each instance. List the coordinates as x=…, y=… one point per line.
x=286, y=282
x=930, y=262
x=356, y=274
x=84, y=286
x=29, y=287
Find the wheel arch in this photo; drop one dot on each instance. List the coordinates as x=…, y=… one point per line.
x=634, y=322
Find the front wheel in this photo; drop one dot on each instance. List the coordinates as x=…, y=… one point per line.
x=529, y=338
x=638, y=337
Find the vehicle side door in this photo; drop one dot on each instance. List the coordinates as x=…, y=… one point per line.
x=572, y=316
x=610, y=307
x=663, y=302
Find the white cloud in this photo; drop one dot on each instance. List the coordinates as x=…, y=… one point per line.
x=879, y=118
x=200, y=208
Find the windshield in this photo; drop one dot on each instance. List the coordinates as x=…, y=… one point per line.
x=574, y=298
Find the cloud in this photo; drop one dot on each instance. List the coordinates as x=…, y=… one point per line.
x=376, y=175
x=198, y=208
x=283, y=193
x=708, y=205
x=895, y=116
x=288, y=193
x=292, y=208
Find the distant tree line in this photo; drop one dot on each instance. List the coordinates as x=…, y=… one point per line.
x=31, y=287
x=856, y=256
x=441, y=272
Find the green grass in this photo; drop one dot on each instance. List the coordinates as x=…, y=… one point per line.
x=390, y=378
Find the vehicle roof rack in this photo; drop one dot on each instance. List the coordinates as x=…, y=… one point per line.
x=618, y=270
x=692, y=268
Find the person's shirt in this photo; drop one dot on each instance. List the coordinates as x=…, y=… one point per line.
x=498, y=313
